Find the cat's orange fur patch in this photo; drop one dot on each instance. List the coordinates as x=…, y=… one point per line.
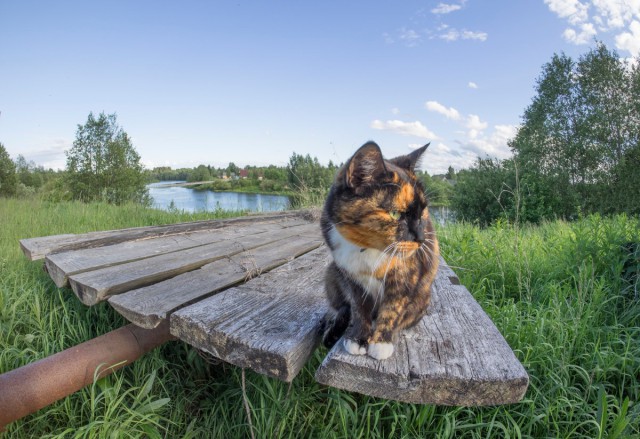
x=405, y=197
x=360, y=237
x=385, y=267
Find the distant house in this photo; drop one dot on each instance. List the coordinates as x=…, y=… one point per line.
x=443, y=178
x=244, y=174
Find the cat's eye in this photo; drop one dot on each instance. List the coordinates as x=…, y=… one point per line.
x=394, y=214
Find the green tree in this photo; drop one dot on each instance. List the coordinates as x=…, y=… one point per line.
x=232, y=169
x=480, y=192
x=29, y=174
x=451, y=173
x=201, y=173
x=438, y=191
x=306, y=172
x=576, y=142
x=8, y=179
x=103, y=164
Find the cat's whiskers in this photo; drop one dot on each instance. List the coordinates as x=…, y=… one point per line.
x=426, y=250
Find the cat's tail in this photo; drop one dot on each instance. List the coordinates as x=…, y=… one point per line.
x=336, y=325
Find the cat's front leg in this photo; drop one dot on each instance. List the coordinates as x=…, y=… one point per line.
x=361, y=325
x=381, y=343
x=357, y=334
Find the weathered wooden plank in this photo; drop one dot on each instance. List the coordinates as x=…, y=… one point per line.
x=454, y=356
x=61, y=265
x=94, y=286
x=270, y=324
x=150, y=306
x=37, y=248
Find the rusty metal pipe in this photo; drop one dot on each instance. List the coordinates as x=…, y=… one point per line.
x=39, y=384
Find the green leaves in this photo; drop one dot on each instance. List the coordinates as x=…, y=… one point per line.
x=8, y=179
x=581, y=132
x=576, y=152
x=103, y=165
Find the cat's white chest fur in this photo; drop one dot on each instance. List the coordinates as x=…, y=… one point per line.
x=359, y=264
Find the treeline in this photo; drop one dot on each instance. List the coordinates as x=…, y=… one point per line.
x=304, y=178
x=24, y=178
x=269, y=179
x=576, y=152
x=102, y=165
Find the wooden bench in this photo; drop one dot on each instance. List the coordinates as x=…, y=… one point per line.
x=250, y=292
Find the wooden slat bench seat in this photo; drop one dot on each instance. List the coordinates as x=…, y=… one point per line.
x=454, y=356
x=270, y=324
x=250, y=291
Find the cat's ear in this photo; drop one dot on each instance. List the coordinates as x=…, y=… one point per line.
x=410, y=161
x=365, y=167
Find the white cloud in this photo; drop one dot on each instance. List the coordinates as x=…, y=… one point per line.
x=395, y=110
x=469, y=35
x=474, y=138
x=441, y=148
x=493, y=145
x=630, y=41
x=474, y=123
x=415, y=129
x=584, y=36
x=52, y=155
x=449, y=113
x=587, y=18
x=409, y=37
x=455, y=35
x=472, y=85
x=615, y=14
x=573, y=10
x=445, y=8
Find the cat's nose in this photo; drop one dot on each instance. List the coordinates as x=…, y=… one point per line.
x=417, y=232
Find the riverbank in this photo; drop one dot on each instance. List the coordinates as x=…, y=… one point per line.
x=265, y=187
x=563, y=294
x=245, y=190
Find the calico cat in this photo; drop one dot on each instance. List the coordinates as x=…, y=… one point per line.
x=385, y=252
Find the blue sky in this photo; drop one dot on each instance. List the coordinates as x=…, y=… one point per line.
x=253, y=81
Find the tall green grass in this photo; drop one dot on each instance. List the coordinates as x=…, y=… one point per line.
x=558, y=293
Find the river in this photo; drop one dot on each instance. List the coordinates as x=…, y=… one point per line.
x=166, y=197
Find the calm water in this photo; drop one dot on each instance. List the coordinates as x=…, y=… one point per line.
x=191, y=200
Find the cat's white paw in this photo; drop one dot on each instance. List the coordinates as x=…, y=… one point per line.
x=380, y=351
x=353, y=347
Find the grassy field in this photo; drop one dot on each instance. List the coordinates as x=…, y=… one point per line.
x=563, y=294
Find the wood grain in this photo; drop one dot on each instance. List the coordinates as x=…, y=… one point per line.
x=270, y=324
x=94, y=286
x=62, y=265
x=150, y=306
x=251, y=292
x=454, y=356
x=38, y=248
